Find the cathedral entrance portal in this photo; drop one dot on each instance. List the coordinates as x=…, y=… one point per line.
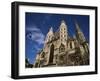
x=51, y=54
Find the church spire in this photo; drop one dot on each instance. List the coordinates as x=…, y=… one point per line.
x=49, y=35
x=51, y=29
x=63, y=23
x=77, y=27
x=79, y=33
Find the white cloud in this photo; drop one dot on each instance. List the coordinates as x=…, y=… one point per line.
x=36, y=35
x=33, y=28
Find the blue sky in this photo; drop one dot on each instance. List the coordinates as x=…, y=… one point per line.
x=37, y=26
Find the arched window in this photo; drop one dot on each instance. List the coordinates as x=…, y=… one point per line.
x=51, y=54
x=61, y=48
x=71, y=45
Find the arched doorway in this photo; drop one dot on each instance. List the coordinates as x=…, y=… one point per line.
x=51, y=54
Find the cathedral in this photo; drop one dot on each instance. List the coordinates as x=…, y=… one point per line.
x=60, y=49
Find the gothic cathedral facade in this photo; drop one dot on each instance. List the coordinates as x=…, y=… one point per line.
x=62, y=50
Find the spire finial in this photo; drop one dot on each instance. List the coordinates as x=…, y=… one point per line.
x=62, y=21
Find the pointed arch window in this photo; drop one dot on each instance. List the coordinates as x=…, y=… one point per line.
x=71, y=45
x=61, y=48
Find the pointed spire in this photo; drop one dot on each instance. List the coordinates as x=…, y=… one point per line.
x=80, y=34
x=51, y=29
x=77, y=26
x=63, y=23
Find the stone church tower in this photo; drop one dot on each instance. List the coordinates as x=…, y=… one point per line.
x=63, y=33
x=49, y=35
x=62, y=50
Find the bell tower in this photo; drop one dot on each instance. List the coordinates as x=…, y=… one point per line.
x=63, y=32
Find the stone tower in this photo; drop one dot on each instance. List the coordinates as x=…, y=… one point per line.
x=63, y=32
x=79, y=34
x=84, y=46
x=49, y=35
